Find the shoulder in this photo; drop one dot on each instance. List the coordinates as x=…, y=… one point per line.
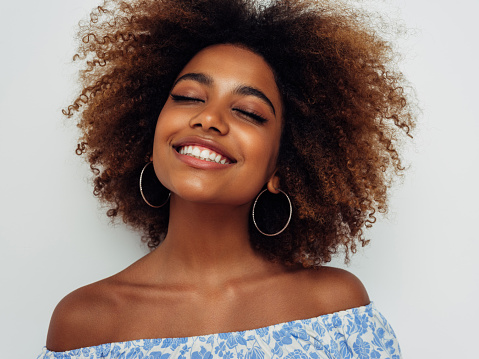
x=335, y=289
x=75, y=322
x=95, y=314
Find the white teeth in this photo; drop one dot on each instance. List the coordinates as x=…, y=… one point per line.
x=196, y=152
x=203, y=154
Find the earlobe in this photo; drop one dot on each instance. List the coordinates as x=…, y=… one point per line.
x=273, y=184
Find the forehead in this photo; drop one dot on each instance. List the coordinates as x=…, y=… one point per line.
x=223, y=55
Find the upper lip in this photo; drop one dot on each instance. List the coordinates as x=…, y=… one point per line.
x=204, y=142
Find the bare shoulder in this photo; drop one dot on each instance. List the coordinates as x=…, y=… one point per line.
x=95, y=314
x=75, y=322
x=336, y=289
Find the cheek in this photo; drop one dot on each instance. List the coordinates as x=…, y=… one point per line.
x=273, y=146
x=263, y=152
x=160, y=146
x=157, y=136
x=163, y=128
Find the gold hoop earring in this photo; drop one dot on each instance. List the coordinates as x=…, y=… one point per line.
x=155, y=183
x=287, y=223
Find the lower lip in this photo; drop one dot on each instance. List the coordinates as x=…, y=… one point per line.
x=201, y=164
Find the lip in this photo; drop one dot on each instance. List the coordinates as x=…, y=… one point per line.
x=204, y=142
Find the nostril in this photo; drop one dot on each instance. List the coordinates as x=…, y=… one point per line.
x=199, y=125
x=208, y=122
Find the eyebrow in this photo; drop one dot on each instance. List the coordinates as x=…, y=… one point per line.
x=239, y=90
x=201, y=78
x=251, y=91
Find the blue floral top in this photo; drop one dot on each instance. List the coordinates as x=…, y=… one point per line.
x=361, y=333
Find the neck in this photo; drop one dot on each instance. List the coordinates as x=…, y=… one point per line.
x=208, y=241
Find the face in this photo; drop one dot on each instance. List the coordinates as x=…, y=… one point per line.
x=217, y=136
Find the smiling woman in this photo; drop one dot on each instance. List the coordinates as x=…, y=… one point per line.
x=220, y=104
x=248, y=143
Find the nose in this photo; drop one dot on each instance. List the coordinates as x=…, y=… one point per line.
x=210, y=119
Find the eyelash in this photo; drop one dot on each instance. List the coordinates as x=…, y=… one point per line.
x=179, y=98
x=258, y=118
x=254, y=116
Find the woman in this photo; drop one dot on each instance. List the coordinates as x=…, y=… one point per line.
x=249, y=143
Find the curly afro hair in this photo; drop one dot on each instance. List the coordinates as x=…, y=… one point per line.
x=345, y=109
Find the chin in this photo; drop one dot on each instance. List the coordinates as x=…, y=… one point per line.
x=207, y=196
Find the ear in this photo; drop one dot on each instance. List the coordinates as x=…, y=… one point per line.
x=273, y=183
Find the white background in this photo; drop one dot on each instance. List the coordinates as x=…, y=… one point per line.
x=420, y=268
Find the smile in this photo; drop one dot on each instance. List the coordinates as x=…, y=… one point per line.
x=203, y=153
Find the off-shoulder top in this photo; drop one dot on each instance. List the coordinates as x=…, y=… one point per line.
x=361, y=333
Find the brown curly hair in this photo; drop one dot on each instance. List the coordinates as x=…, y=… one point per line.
x=345, y=109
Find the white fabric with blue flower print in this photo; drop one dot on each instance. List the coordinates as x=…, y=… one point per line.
x=360, y=333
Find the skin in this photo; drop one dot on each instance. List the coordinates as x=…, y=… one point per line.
x=205, y=277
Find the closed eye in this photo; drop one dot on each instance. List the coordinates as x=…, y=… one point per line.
x=258, y=118
x=179, y=98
